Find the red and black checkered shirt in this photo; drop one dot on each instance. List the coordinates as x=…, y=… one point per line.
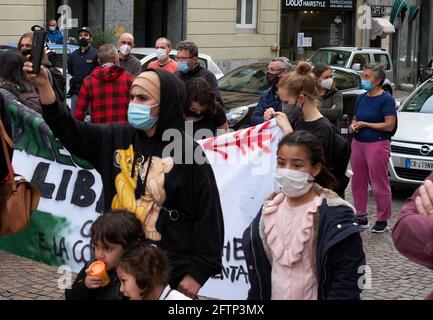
x=106, y=92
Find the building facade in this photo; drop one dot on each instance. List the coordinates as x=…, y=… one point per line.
x=309, y=25
x=234, y=32
x=18, y=16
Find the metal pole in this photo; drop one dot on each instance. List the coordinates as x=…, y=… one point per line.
x=65, y=44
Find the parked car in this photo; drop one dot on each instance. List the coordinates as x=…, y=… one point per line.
x=147, y=55
x=241, y=88
x=411, y=158
x=58, y=49
x=5, y=47
x=355, y=58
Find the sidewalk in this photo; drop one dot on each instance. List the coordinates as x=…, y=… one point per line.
x=24, y=279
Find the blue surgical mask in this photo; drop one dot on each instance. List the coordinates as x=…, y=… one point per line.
x=367, y=85
x=182, y=66
x=139, y=116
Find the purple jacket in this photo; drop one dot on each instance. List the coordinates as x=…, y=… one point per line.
x=413, y=234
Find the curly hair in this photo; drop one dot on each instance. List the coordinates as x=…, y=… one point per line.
x=189, y=46
x=148, y=264
x=200, y=91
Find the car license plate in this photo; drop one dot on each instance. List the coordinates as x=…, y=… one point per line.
x=419, y=164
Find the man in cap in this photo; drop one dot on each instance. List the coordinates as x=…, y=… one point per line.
x=81, y=63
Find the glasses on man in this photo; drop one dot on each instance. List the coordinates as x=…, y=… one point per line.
x=183, y=58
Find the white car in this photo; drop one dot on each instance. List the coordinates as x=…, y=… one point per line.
x=411, y=158
x=147, y=55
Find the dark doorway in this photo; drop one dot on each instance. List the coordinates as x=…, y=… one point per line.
x=424, y=52
x=326, y=28
x=79, y=10
x=150, y=21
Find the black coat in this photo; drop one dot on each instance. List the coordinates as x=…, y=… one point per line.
x=339, y=255
x=80, y=65
x=79, y=291
x=200, y=72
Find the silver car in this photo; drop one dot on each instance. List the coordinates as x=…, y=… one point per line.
x=355, y=58
x=411, y=158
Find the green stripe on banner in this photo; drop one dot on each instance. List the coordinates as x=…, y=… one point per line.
x=40, y=240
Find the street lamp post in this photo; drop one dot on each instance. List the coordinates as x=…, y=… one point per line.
x=65, y=39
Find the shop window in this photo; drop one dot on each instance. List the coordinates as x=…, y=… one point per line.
x=246, y=14
x=383, y=60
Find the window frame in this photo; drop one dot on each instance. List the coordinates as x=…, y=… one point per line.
x=388, y=61
x=244, y=25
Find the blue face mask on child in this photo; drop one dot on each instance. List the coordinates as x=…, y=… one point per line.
x=367, y=85
x=139, y=116
x=182, y=66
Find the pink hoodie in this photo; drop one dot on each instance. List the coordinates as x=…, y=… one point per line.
x=413, y=234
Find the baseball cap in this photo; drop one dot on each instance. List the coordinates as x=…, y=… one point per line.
x=85, y=29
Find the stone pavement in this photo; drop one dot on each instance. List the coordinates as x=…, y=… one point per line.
x=25, y=279
x=393, y=276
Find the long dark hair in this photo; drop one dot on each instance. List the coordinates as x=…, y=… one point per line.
x=11, y=69
x=199, y=90
x=318, y=70
x=312, y=146
x=117, y=227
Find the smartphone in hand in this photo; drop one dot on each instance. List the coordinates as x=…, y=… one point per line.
x=38, y=49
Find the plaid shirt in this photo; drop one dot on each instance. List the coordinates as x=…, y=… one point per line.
x=106, y=91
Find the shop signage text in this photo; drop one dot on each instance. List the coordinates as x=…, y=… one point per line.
x=319, y=4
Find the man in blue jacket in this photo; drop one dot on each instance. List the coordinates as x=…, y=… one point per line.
x=278, y=67
x=81, y=63
x=54, y=35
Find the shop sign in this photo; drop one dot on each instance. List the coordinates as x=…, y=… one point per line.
x=378, y=11
x=319, y=4
x=308, y=42
x=300, y=39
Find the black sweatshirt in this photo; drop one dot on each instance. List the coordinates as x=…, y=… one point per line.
x=79, y=291
x=193, y=235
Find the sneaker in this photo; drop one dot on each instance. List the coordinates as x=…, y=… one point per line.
x=363, y=223
x=362, y=220
x=380, y=226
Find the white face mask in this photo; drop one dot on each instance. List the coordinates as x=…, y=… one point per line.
x=293, y=183
x=327, y=83
x=161, y=54
x=125, y=50
x=52, y=29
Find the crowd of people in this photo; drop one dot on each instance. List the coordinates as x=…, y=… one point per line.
x=161, y=236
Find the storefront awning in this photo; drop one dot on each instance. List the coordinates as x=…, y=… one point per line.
x=398, y=7
x=413, y=12
x=380, y=27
